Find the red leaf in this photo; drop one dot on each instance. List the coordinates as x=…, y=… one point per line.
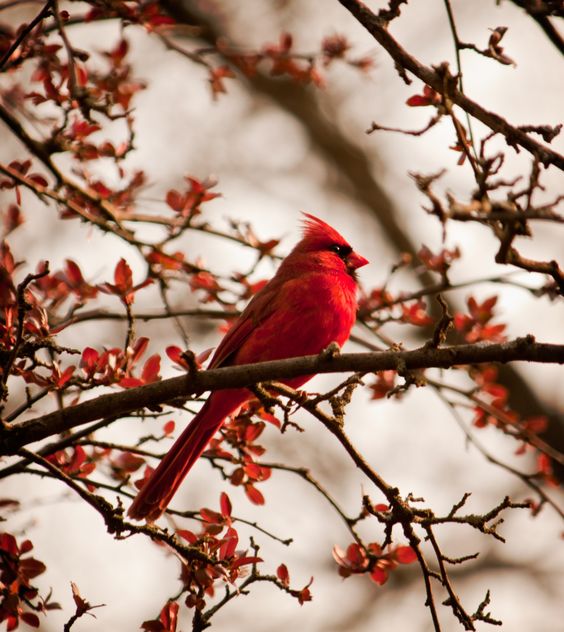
x=225, y=504
x=405, y=555
x=429, y=97
x=130, y=382
x=81, y=74
x=31, y=619
x=168, y=428
x=253, y=432
x=139, y=349
x=202, y=357
x=89, y=359
x=253, y=470
x=73, y=272
x=286, y=41
x=229, y=544
x=417, y=100
x=356, y=555
x=242, y=561
x=128, y=462
x=216, y=77
x=375, y=548
x=379, y=576
x=536, y=424
x=175, y=354
x=65, y=376
x=8, y=543
x=169, y=616
x=167, y=262
x=118, y=53
x=139, y=483
x=305, y=594
x=544, y=465
x=254, y=495
x=208, y=515
x=175, y=200
x=30, y=567
x=151, y=369
x=334, y=46
x=190, y=537
x=283, y=574
x=123, y=277
x=13, y=218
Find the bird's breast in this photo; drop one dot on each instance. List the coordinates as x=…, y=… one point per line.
x=306, y=316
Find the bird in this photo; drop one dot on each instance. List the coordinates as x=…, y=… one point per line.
x=310, y=303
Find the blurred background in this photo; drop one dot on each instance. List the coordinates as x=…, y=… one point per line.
x=277, y=148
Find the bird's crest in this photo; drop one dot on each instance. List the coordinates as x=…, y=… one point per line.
x=315, y=229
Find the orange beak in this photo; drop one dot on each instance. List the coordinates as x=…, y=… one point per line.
x=355, y=261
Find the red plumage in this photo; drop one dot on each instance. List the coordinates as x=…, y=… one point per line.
x=309, y=303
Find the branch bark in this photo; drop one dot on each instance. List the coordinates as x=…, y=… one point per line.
x=14, y=437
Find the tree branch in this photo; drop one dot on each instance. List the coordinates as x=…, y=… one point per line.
x=542, y=20
x=440, y=79
x=124, y=402
x=26, y=31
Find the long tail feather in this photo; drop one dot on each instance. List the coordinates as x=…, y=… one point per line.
x=154, y=497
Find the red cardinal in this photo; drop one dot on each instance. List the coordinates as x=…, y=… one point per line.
x=310, y=302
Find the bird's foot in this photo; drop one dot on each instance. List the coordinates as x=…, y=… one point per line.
x=332, y=350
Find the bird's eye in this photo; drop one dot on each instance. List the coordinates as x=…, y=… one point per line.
x=341, y=250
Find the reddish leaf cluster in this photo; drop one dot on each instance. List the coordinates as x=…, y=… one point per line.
x=113, y=365
x=25, y=330
x=187, y=203
x=167, y=620
x=438, y=262
x=84, y=84
x=75, y=461
x=303, y=594
x=123, y=283
x=385, y=382
x=19, y=599
x=22, y=169
x=218, y=540
x=495, y=411
x=283, y=60
x=240, y=433
x=382, y=307
x=476, y=326
x=372, y=560
x=54, y=289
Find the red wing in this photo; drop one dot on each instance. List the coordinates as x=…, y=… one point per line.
x=260, y=307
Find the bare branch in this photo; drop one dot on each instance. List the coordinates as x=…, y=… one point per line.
x=520, y=349
x=440, y=79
